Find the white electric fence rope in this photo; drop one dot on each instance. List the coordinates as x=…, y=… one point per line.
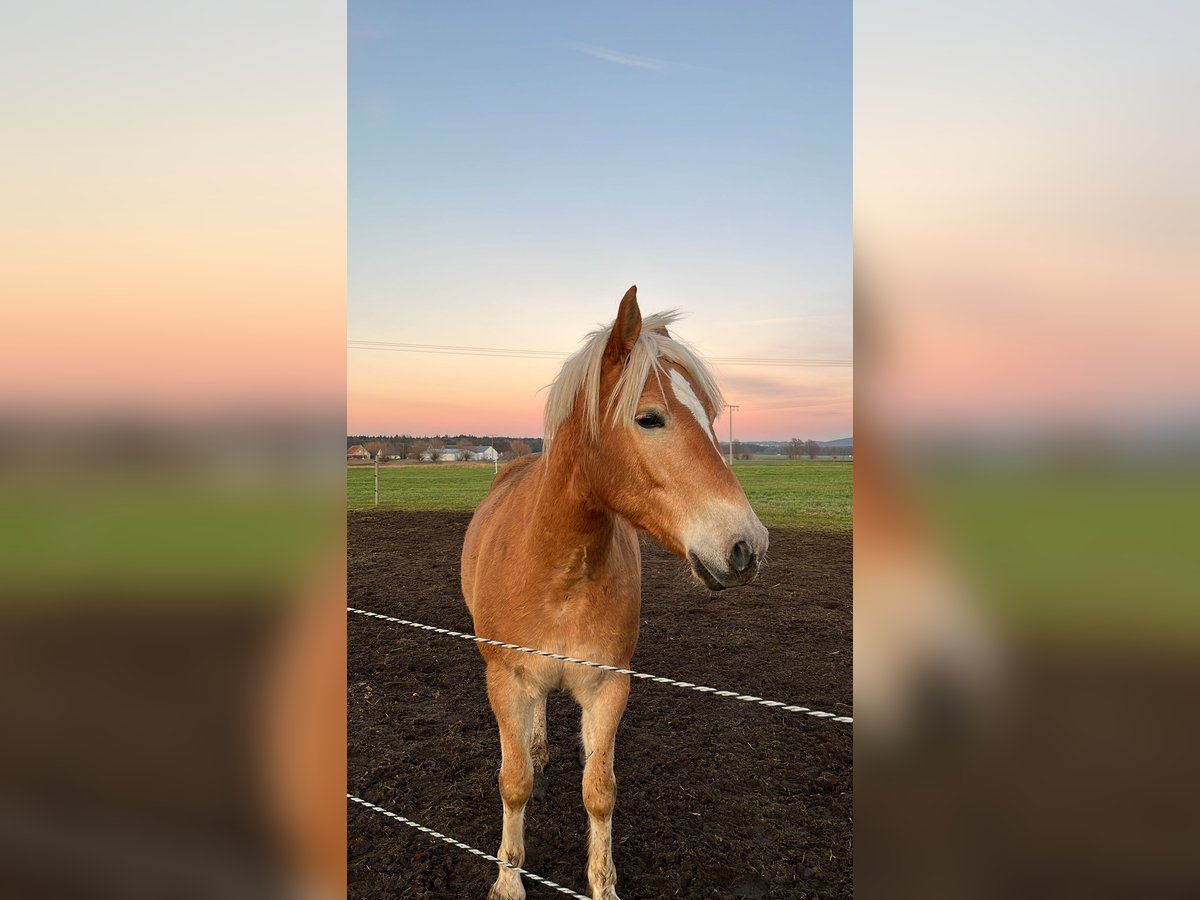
x=656, y=679
x=460, y=845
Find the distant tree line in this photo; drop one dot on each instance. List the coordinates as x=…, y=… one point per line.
x=407, y=446
x=796, y=448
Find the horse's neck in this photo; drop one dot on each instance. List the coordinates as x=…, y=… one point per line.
x=568, y=517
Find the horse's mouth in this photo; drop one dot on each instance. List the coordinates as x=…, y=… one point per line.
x=706, y=576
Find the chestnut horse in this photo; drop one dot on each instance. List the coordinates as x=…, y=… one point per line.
x=551, y=558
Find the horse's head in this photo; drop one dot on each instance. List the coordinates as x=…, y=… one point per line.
x=652, y=455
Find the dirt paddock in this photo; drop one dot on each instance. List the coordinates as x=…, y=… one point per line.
x=715, y=798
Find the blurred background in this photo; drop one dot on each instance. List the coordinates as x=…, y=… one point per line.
x=1026, y=615
x=172, y=410
x=171, y=423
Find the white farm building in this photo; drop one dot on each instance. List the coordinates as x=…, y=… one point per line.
x=461, y=454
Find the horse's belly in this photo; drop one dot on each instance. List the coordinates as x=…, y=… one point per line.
x=540, y=676
x=575, y=630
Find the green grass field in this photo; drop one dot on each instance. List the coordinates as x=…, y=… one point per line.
x=1077, y=549
x=159, y=537
x=802, y=493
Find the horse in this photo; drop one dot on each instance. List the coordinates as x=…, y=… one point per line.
x=551, y=558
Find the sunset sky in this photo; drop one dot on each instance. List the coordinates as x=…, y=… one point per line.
x=514, y=168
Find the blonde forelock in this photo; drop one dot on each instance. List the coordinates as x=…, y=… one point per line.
x=580, y=375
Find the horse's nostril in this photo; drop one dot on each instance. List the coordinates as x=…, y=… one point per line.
x=741, y=557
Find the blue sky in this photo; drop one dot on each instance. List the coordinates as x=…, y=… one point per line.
x=513, y=168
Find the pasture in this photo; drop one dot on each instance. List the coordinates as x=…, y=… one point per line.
x=805, y=493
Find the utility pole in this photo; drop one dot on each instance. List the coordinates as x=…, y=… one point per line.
x=731, y=408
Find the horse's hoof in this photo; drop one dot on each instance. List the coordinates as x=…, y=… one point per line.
x=539, y=787
x=606, y=893
x=499, y=893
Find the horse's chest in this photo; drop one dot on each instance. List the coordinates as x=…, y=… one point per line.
x=590, y=620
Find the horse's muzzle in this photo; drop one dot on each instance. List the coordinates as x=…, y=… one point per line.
x=741, y=567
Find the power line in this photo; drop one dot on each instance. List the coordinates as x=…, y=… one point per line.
x=462, y=351
x=511, y=353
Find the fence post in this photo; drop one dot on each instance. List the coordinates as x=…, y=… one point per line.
x=377, y=453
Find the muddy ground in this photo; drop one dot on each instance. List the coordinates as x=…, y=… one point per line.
x=716, y=798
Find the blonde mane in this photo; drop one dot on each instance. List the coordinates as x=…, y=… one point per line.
x=582, y=370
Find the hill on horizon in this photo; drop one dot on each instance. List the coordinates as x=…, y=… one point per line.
x=536, y=443
x=840, y=442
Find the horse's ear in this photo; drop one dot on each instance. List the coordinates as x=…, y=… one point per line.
x=627, y=329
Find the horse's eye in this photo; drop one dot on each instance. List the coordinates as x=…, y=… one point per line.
x=650, y=420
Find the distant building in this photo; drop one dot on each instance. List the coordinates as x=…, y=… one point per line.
x=358, y=451
x=461, y=454
x=446, y=454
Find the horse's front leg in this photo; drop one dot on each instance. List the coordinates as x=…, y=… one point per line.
x=539, y=750
x=602, y=711
x=514, y=708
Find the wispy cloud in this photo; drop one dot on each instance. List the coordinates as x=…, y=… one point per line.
x=621, y=59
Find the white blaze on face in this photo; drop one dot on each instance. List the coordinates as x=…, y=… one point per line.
x=685, y=395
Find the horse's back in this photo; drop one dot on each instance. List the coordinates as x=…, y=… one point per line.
x=517, y=469
x=491, y=513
